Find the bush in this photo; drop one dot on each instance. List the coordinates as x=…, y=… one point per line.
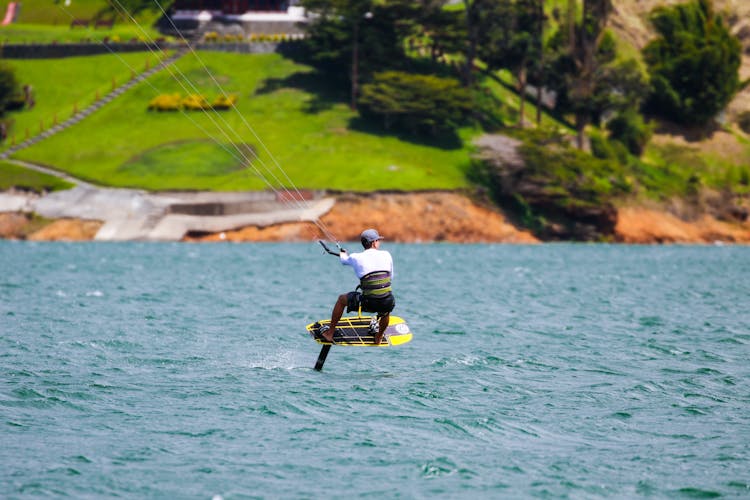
x=744, y=121
x=165, y=102
x=418, y=103
x=195, y=102
x=175, y=102
x=606, y=149
x=694, y=63
x=629, y=128
x=557, y=190
x=224, y=102
x=8, y=87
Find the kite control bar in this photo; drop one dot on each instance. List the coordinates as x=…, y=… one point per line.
x=328, y=250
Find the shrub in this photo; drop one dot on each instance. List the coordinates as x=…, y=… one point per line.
x=694, y=63
x=606, y=149
x=418, y=103
x=629, y=128
x=556, y=190
x=224, y=102
x=744, y=121
x=8, y=86
x=195, y=102
x=165, y=102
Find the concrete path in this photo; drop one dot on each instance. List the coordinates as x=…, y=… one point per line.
x=130, y=214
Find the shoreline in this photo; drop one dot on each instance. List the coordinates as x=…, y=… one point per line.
x=417, y=217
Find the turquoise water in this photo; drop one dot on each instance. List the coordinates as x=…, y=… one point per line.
x=184, y=371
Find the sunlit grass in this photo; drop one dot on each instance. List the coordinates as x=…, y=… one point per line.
x=315, y=148
x=77, y=82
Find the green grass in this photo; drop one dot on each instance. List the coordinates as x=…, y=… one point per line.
x=42, y=33
x=48, y=21
x=13, y=176
x=504, y=89
x=121, y=144
x=671, y=170
x=76, y=83
x=56, y=13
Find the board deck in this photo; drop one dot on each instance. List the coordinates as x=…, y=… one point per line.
x=356, y=331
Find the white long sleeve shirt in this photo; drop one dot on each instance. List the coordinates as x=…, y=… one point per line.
x=369, y=261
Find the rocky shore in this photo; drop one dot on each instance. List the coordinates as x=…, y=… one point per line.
x=404, y=217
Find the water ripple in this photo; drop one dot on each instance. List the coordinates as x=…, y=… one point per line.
x=183, y=371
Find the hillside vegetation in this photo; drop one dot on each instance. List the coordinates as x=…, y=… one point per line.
x=313, y=140
x=300, y=121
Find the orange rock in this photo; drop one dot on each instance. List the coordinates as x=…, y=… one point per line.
x=645, y=225
x=407, y=217
x=12, y=224
x=67, y=230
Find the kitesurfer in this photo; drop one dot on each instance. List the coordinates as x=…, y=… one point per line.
x=374, y=268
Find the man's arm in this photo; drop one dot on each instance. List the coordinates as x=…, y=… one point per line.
x=345, y=258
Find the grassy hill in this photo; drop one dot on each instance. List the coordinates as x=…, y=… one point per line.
x=306, y=125
x=77, y=82
x=316, y=140
x=49, y=21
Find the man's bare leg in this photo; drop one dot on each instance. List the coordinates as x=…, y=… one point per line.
x=338, y=311
x=382, y=325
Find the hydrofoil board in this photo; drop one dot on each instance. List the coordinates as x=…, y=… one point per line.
x=361, y=330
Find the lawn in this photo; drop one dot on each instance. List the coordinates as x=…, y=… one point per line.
x=77, y=82
x=42, y=33
x=56, y=13
x=310, y=140
x=45, y=21
x=13, y=176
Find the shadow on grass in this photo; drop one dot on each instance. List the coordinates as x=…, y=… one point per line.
x=324, y=91
x=448, y=140
x=549, y=111
x=690, y=133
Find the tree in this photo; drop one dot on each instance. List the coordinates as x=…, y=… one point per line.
x=585, y=73
x=513, y=40
x=362, y=36
x=473, y=16
x=441, y=28
x=694, y=63
x=8, y=87
x=590, y=54
x=417, y=103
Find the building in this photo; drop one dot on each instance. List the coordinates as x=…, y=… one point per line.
x=194, y=17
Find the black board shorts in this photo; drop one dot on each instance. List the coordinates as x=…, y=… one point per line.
x=355, y=299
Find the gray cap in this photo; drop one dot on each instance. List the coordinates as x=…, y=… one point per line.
x=370, y=235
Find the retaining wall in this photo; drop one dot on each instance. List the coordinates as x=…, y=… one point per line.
x=56, y=51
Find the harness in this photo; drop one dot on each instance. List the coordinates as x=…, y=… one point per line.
x=376, y=285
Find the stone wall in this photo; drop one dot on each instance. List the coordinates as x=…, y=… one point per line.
x=56, y=51
x=59, y=50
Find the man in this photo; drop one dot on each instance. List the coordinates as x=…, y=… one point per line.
x=374, y=268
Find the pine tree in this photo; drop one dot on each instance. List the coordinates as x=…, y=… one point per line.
x=694, y=63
